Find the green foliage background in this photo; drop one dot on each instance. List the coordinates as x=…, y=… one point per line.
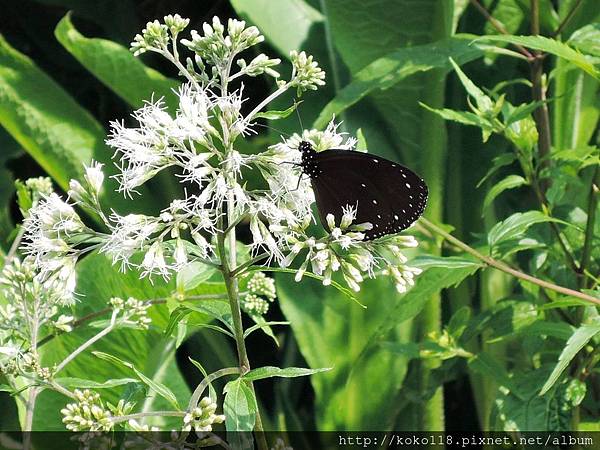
x=64, y=75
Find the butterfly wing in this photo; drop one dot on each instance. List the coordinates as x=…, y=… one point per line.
x=388, y=195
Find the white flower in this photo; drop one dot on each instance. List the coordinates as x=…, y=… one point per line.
x=94, y=176
x=129, y=234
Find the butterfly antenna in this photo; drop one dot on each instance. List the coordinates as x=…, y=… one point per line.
x=274, y=129
x=296, y=106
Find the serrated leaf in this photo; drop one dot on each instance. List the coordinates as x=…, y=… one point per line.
x=587, y=39
x=515, y=225
x=548, y=45
x=116, y=67
x=510, y=182
x=156, y=386
x=576, y=342
x=240, y=409
x=72, y=382
x=463, y=117
x=484, y=103
x=288, y=372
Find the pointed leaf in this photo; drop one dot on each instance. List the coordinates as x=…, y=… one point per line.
x=288, y=372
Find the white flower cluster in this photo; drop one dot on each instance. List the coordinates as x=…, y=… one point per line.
x=33, y=307
x=261, y=292
x=135, y=311
x=87, y=414
x=198, y=141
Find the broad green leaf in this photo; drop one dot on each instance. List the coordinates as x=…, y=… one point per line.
x=157, y=387
x=488, y=366
x=149, y=351
x=510, y=182
x=428, y=283
x=529, y=411
x=193, y=275
x=548, y=45
x=576, y=342
x=347, y=338
x=514, y=226
x=80, y=383
x=587, y=39
x=49, y=124
x=116, y=67
x=509, y=13
x=215, y=309
x=288, y=372
x=389, y=70
x=286, y=24
x=239, y=408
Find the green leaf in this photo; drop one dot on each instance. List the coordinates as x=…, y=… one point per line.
x=49, y=124
x=286, y=24
x=510, y=182
x=515, y=225
x=489, y=366
x=389, y=70
x=548, y=45
x=587, y=39
x=71, y=382
x=215, y=309
x=499, y=161
x=288, y=372
x=157, y=387
x=576, y=342
x=484, y=103
x=193, y=275
x=334, y=333
x=464, y=117
x=240, y=409
x=274, y=115
x=116, y=67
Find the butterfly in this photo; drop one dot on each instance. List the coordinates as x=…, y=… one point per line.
x=386, y=194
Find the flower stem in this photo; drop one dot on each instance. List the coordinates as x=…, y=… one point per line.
x=195, y=398
x=88, y=343
x=119, y=419
x=506, y=268
x=589, y=228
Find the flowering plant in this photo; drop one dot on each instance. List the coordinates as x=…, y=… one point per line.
x=198, y=142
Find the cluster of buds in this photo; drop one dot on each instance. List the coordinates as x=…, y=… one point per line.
x=135, y=312
x=261, y=292
x=203, y=416
x=87, y=414
x=307, y=73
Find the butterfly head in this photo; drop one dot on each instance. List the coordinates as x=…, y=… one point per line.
x=309, y=162
x=305, y=147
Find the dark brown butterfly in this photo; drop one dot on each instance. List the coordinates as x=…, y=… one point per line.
x=386, y=194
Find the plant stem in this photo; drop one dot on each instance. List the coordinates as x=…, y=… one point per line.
x=119, y=419
x=568, y=17
x=498, y=26
x=195, y=398
x=15, y=245
x=589, y=228
x=506, y=268
x=88, y=343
